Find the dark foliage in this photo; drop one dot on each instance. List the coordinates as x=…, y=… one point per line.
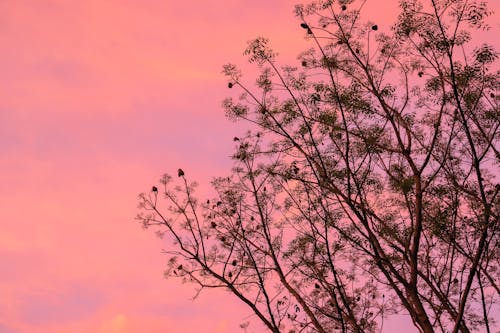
x=370, y=183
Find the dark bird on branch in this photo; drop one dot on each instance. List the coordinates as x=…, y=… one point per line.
x=180, y=173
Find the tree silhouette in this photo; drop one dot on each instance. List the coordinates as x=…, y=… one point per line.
x=368, y=185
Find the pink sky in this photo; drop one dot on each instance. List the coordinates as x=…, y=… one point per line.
x=97, y=100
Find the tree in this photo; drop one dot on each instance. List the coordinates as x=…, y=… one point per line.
x=368, y=185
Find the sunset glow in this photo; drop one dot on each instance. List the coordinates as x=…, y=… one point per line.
x=97, y=100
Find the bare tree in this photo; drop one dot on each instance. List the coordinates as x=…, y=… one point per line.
x=368, y=185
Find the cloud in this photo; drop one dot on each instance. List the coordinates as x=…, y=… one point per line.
x=60, y=304
x=7, y=329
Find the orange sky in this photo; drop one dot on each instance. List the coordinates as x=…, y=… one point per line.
x=97, y=99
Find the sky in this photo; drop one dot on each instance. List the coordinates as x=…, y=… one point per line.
x=98, y=98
